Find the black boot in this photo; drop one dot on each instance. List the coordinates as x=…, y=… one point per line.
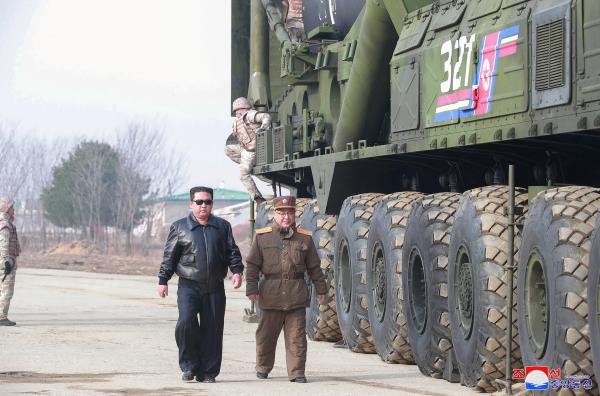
x=187, y=376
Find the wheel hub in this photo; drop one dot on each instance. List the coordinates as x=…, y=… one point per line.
x=378, y=290
x=536, y=305
x=417, y=291
x=345, y=280
x=464, y=285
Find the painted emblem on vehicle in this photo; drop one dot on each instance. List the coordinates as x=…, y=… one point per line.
x=458, y=99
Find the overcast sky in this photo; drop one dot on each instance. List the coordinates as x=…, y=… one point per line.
x=86, y=68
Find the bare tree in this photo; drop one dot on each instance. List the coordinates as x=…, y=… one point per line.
x=93, y=168
x=139, y=148
x=147, y=172
x=15, y=157
x=42, y=156
x=167, y=178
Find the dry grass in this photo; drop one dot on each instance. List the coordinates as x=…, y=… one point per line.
x=78, y=256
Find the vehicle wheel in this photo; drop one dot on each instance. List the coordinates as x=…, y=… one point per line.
x=300, y=207
x=384, y=276
x=552, y=280
x=350, y=251
x=321, y=320
x=425, y=280
x=477, y=292
x=594, y=299
x=264, y=214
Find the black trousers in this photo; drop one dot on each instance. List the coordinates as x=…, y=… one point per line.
x=200, y=343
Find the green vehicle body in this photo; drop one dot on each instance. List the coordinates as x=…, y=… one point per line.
x=434, y=98
x=366, y=105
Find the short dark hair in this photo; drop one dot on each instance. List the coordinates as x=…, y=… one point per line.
x=196, y=189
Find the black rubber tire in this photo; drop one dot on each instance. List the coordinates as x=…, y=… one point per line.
x=264, y=214
x=557, y=239
x=384, y=276
x=321, y=320
x=594, y=299
x=349, y=266
x=300, y=207
x=480, y=238
x=425, y=280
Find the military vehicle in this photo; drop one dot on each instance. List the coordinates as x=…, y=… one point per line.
x=397, y=121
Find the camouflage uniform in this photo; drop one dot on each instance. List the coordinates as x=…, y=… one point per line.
x=241, y=145
x=9, y=250
x=294, y=23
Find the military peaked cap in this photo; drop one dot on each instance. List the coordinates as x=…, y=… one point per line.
x=284, y=202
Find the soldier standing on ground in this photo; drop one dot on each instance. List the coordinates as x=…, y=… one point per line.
x=283, y=253
x=241, y=144
x=9, y=250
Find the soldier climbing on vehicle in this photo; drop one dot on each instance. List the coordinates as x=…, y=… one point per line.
x=241, y=144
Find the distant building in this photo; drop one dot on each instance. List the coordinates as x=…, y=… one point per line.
x=174, y=207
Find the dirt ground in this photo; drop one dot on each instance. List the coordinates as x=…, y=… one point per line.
x=97, y=327
x=74, y=257
x=84, y=333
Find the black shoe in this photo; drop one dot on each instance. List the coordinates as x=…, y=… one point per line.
x=300, y=379
x=6, y=322
x=209, y=380
x=187, y=376
x=260, y=375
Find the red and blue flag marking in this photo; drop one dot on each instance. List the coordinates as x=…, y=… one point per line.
x=477, y=100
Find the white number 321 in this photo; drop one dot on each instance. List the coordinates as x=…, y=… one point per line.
x=452, y=76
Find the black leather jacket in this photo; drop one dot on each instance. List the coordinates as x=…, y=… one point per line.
x=200, y=253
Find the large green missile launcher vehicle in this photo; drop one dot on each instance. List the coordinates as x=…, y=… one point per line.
x=397, y=120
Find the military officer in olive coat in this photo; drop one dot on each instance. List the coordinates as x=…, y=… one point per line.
x=283, y=254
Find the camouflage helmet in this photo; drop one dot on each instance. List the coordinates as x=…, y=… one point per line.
x=5, y=204
x=240, y=103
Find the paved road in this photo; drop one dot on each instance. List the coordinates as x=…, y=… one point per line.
x=96, y=334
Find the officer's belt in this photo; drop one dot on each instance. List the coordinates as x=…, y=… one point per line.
x=284, y=276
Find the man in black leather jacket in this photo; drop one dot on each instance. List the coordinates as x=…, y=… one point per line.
x=200, y=248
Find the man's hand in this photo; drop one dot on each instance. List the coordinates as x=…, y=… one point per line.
x=236, y=281
x=321, y=299
x=266, y=123
x=253, y=297
x=163, y=291
x=7, y=267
